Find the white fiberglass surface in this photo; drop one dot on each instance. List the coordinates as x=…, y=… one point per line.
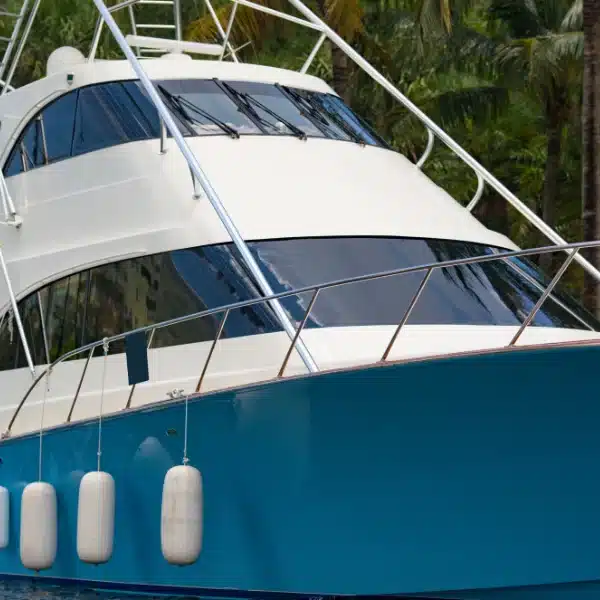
x=238, y=362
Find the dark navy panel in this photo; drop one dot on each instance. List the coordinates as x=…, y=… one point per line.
x=136, y=348
x=464, y=473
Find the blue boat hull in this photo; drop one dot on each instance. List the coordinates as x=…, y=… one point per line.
x=472, y=476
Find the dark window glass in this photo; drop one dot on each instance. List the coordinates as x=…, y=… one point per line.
x=14, y=164
x=352, y=124
x=491, y=293
x=328, y=123
x=12, y=355
x=114, y=298
x=58, y=121
x=204, y=109
x=31, y=145
x=274, y=111
x=101, y=120
x=47, y=138
x=108, y=114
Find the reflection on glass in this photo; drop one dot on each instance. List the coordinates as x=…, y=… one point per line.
x=209, y=98
x=273, y=110
x=115, y=298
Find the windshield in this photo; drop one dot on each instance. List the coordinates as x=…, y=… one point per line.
x=217, y=107
x=490, y=293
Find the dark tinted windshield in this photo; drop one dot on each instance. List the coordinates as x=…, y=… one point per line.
x=490, y=293
x=107, y=114
x=262, y=108
x=114, y=298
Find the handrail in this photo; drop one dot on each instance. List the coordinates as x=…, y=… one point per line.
x=572, y=248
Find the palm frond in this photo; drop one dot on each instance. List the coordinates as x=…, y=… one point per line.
x=573, y=20
x=344, y=17
x=520, y=16
x=477, y=104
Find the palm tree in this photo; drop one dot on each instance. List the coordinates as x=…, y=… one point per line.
x=345, y=16
x=535, y=46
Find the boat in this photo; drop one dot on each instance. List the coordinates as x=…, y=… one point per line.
x=248, y=349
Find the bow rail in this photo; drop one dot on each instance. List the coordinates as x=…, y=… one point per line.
x=572, y=251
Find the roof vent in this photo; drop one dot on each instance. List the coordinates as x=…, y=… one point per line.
x=62, y=59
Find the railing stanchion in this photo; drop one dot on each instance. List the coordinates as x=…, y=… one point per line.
x=212, y=349
x=298, y=332
x=428, y=148
x=407, y=313
x=87, y=362
x=545, y=295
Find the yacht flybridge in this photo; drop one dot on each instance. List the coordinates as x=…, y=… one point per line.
x=246, y=347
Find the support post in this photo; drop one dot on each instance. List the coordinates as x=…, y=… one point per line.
x=15, y=308
x=20, y=48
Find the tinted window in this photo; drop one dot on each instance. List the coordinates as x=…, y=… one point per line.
x=108, y=114
x=58, y=120
x=339, y=113
x=274, y=111
x=204, y=108
x=47, y=138
x=115, y=298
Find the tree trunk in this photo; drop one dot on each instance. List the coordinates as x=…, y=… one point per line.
x=551, y=175
x=342, y=74
x=591, y=145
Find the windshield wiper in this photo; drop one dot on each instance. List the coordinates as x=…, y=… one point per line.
x=315, y=111
x=305, y=108
x=245, y=102
x=180, y=103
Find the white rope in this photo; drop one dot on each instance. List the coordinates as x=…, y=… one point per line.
x=186, y=460
x=46, y=390
x=105, y=346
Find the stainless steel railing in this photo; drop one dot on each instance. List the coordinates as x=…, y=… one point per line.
x=428, y=269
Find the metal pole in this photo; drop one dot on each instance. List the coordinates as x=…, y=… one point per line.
x=229, y=26
x=313, y=53
x=408, y=312
x=201, y=177
x=544, y=296
x=177, y=15
x=13, y=38
x=298, y=332
x=22, y=43
x=215, y=18
x=440, y=133
x=211, y=351
x=15, y=308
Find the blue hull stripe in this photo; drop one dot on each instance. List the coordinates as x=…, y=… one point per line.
x=472, y=473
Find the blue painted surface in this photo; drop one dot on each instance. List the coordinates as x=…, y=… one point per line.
x=464, y=473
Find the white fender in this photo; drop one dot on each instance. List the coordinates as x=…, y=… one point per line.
x=181, y=515
x=96, y=517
